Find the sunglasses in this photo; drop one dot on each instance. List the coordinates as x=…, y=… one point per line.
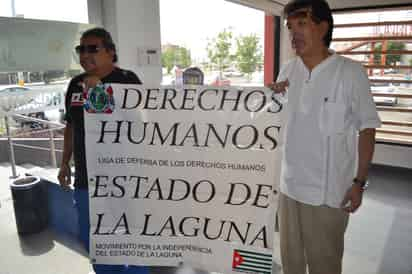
x=80, y=49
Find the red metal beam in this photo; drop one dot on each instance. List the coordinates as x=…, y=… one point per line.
x=373, y=38
x=395, y=95
x=400, y=81
x=367, y=52
x=397, y=123
x=269, y=50
x=387, y=66
x=394, y=109
x=373, y=24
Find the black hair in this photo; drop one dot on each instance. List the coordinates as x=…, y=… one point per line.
x=320, y=12
x=106, y=39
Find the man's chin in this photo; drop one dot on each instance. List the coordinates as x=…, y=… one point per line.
x=301, y=51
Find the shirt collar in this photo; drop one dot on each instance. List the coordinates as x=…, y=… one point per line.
x=325, y=62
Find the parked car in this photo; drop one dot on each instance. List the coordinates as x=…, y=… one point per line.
x=220, y=82
x=232, y=73
x=257, y=77
x=390, y=71
x=383, y=100
x=215, y=79
x=13, y=88
x=168, y=80
x=12, y=96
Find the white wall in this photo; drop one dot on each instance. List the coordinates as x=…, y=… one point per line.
x=393, y=155
x=94, y=9
x=135, y=27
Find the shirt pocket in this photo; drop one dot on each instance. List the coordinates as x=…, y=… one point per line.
x=333, y=118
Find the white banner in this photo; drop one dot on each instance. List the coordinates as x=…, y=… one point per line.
x=184, y=174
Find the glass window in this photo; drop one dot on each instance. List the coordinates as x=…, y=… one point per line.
x=223, y=39
x=382, y=41
x=35, y=69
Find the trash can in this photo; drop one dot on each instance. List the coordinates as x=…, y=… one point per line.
x=30, y=204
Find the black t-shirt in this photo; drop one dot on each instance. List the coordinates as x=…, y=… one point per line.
x=74, y=117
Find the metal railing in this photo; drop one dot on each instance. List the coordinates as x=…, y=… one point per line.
x=52, y=127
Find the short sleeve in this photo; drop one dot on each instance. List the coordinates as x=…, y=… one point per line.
x=286, y=70
x=67, y=103
x=127, y=77
x=133, y=78
x=364, y=108
x=283, y=75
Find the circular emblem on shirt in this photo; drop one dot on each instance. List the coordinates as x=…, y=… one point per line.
x=99, y=99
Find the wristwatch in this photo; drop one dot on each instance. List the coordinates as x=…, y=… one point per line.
x=363, y=183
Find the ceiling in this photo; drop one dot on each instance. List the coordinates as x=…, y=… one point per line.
x=276, y=6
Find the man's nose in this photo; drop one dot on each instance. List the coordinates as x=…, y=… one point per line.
x=293, y=28
x=291, y=31
x=294, y=32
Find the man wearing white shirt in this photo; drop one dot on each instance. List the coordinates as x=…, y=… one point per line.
x=329, y=142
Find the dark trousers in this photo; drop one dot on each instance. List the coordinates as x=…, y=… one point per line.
x=81, y=201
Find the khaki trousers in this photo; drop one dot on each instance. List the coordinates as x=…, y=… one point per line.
x=311, y=237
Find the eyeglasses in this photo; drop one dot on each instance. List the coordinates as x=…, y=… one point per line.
x=80, y=49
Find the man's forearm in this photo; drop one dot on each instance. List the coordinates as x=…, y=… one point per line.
x=366, y=148
x=67, y=144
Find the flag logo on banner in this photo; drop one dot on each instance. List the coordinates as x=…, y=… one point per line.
x=252, y=262
x=99, y=99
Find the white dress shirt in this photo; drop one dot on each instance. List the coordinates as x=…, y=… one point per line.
x=326, y=108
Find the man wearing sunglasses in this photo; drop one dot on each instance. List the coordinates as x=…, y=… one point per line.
x=329, y=141
x=97, y=53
